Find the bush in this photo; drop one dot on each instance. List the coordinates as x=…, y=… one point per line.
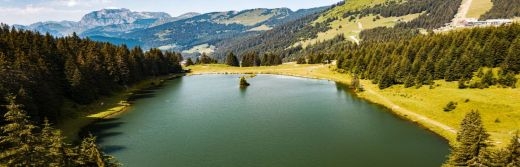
x=450, y=106
x=462, y=84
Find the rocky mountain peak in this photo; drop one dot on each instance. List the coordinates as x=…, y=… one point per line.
x=106, y=17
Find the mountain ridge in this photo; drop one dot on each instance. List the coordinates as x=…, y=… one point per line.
x=124, y=18
x=160, y=30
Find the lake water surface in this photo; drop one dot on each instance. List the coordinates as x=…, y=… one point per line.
x=208, y=121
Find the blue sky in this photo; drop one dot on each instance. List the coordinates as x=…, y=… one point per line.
x=30, y=11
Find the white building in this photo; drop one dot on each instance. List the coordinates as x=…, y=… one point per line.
x=472, y=22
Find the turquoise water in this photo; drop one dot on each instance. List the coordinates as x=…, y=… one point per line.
x=207, y=120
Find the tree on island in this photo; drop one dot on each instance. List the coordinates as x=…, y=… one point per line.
x=243, y=82
x=232, y=60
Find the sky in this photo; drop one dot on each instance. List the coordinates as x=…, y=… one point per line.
x=30, y=11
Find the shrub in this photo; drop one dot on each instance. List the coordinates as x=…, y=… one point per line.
x=450, y=106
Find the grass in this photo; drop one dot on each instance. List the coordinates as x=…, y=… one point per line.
x=249, y=18
x=499, y=107
x=343, y=26
x=478, y=8
x=348, y=6
x=351, y=29
x=103, y=108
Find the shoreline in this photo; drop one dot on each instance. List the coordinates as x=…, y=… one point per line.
x=442, y=130
x=107, y=107
x=406, y=104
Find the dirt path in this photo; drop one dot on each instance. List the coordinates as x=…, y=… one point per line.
x=462, y=12
x=360, y=26
x=412, y=114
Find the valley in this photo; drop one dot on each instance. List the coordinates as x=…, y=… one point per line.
x=354, y=82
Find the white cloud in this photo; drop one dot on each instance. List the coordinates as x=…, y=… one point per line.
x=79, y=3
x=51, y=10
x=31, y=14
x=72, y=3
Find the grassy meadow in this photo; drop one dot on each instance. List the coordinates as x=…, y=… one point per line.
x=354, y=27
x=478, y=8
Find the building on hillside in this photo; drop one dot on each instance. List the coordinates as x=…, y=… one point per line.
x=472, y=22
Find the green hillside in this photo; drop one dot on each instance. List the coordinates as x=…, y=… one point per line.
x=349, y=5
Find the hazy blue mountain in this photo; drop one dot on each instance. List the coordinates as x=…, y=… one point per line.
x=192, y=33
x=105, y=22
x=200, y=33
x=52, y=27
x=123, y=16
x=172, y=19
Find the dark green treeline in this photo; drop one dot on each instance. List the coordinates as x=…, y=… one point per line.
x=450, y=56
x=503, y=9
x=43, y=72
x=252, y=59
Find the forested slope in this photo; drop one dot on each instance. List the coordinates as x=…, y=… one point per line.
x=43, y=72
x=275, y=40
x=453, y=56
x=503, y=9
x=284, y=39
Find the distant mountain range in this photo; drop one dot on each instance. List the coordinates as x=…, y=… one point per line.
x=106, y=21
x=190, y=32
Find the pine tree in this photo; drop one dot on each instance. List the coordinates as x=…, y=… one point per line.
x=511, y=63
x=487, y=79
x=189, y=62
x=90, y=155
x=197, y=61
x=18, y=142
x=511, y=155
x=302, y=60
x=472, y=140
x=56, y=150
x=24, y=144
x=232, y=60
x=205, y=59
x=508, y=79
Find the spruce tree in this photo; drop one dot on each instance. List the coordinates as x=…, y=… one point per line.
x=56, y=150
x=90, y=155
x=472, y=140
x=18, y=141
x=511, y=63
x=189, y=62
x=302, y=60
x=511, y=155
x=232, y=60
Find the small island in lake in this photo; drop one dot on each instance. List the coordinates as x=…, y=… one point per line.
x=243, y=82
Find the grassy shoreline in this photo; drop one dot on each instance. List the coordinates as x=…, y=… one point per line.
x=422, y=106
x=103, y=108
